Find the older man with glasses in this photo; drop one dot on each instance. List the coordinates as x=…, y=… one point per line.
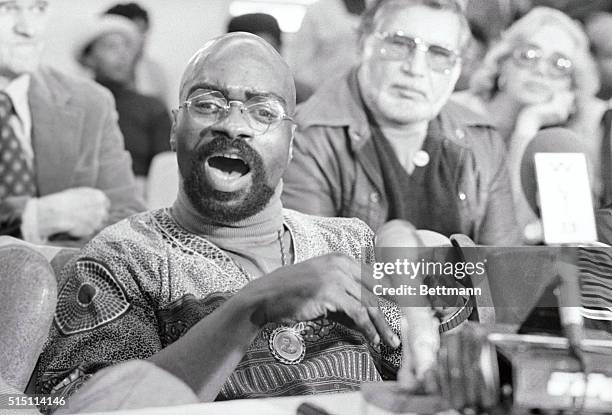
x=382, y=142
x=64, y=172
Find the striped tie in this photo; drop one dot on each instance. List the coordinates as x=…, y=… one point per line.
x=16, y=175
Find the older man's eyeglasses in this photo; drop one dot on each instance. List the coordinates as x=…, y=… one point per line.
x=398, y=46
x=557, y=64
x=262, y=114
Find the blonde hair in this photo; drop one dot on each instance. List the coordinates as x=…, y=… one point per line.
x=585, y=78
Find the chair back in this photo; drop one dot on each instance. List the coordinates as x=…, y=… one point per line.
x=28, y=296
x=163, y=181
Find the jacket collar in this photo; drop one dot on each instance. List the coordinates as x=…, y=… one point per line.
x=337, y=103
x=56, y=127
x=46, y=87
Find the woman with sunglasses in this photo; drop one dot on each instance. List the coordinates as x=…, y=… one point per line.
x=540, y=74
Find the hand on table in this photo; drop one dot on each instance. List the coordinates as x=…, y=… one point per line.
x=78, y=212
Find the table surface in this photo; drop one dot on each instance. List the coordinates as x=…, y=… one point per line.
x=336, y=404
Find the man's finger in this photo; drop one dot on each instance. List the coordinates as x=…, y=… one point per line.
x=370, y=301
x=359, y=292
x=383, y=328
x=359, y=316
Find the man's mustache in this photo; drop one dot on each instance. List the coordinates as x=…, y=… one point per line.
x=221, y=144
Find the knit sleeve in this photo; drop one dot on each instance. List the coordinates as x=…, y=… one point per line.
x=105, y=313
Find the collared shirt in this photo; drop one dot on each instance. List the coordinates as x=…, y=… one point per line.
x=21, y=121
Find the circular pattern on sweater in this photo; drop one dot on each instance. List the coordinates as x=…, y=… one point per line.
x=92, y=298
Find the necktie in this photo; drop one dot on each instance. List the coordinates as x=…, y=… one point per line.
x=16, y=175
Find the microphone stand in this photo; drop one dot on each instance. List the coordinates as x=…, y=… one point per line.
x=568, y=293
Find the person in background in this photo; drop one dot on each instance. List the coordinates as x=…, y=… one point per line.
x=64, y=173
x=260, y=24
x=539, y=74
x=599, y=29
x=326, y=43
x=267, y=28
x=472, y=56
x=148, y=76
x=382, y=143
x=576, y=9
x=492, y=17
x=108, y=51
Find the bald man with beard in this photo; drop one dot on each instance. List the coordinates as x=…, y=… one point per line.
x=226, y=290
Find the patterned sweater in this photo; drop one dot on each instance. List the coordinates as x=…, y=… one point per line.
x=142, y=283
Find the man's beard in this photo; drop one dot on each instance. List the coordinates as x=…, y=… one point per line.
x=212, y=203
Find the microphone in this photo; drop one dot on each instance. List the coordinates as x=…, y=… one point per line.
x=558, y=140
x=27, y=303
x=568, y=297
x=548, y=140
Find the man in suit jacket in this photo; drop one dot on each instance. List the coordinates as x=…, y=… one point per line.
x=64, y=172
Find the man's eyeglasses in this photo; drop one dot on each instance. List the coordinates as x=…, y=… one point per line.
x=398, y=47
x=262, y=114
x=557, y=64
x=12, y=7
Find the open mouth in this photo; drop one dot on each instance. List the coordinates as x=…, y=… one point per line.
x=227, y=172
x=229, y=164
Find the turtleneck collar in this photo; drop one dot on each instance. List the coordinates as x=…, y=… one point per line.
x=261, y=225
